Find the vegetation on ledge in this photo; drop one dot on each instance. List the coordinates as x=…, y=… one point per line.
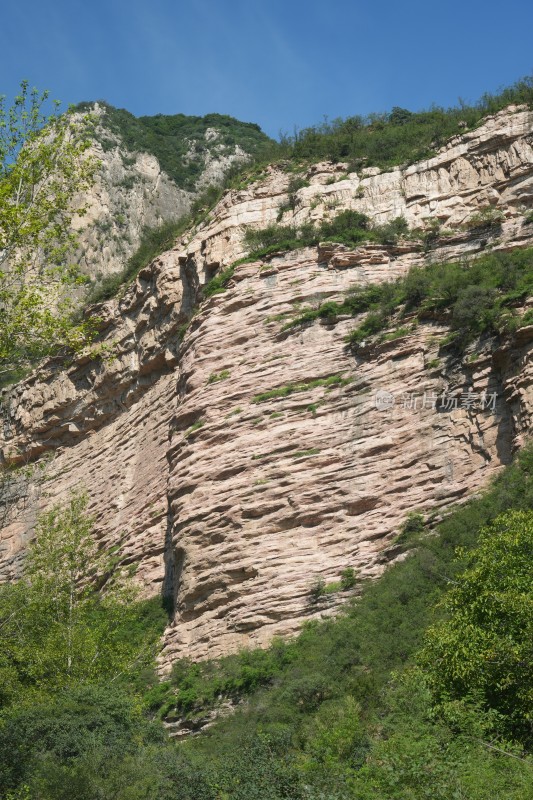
x=400, y=136
x=475, y=298
x=348, y=227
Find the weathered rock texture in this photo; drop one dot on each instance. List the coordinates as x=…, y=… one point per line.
x=130, y=192
x=133, y=192
x=234, y=504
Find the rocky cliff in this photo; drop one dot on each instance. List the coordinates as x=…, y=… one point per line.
x=235, y=462
x=135, y=187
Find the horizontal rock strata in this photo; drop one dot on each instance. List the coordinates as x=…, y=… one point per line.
x=236, y=463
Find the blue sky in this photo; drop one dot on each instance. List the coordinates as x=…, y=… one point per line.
x=281, y=63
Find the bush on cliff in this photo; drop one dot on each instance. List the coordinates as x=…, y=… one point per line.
x=400, y=136
x=477, y=297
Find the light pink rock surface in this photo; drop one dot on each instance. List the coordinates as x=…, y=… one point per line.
x=237, y=516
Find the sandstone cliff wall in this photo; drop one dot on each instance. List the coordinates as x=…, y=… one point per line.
x=234, y=506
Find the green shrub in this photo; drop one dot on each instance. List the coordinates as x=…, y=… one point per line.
x=526, y=319
x=486, y=218
x=215, y=377
x=348, y=227
x=411, y=528
x=317, y=590
x=483, y=648
x=373, y=323
x=296, y=183
x=477, y=297
x=392, y=231
x=65, y=727
x=276, y=238
x=475, y=310
x=348, y=578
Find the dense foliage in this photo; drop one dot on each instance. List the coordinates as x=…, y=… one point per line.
x=351, y=708
x=179, y=142
x=43, y=167
x=484, y=646
x=57, y=628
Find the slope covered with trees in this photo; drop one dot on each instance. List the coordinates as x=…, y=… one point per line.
x=422, y=688
x=182, y=143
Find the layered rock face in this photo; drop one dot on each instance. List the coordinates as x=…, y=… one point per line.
x=489, y=167
x=238, y=462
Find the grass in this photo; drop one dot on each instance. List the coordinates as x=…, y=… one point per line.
x=215, y=377
x=219, y=283
x=313, y=451
x=259, y=456
x=195, y=427
x=398, y=333
x=292, y=388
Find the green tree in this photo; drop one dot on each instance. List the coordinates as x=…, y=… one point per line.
x=58, y=624
x=483, y=648
x=43, y=168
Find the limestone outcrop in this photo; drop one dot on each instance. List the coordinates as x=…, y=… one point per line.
x=234, y=462
x=133, y=192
